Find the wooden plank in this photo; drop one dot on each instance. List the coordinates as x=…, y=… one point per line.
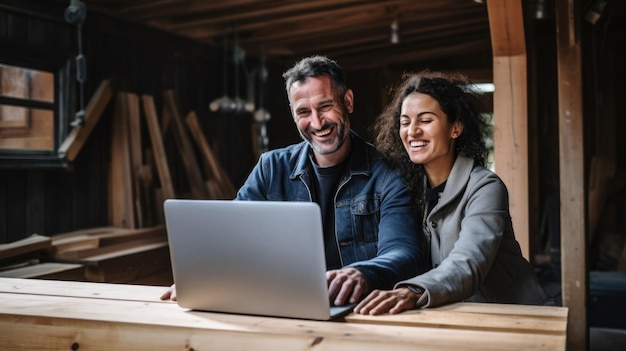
x=152, y=293
x=156, y=232
x=122, y=253
x=136, y=160
x=31, y=244
x=74, y=243
x=78, y=136
x=472, y=321
x=82, y=289
x=507, y=309
x=210, y=332
x=90, y=252
x=121, y=212
x=185, y=149
x=510, y=110
x=81, y=246
x=224, y=188
x=129, y=265
x=571, y=166
x=53, y=322
x=157, y=147
x=47, y=270
x=89, y=232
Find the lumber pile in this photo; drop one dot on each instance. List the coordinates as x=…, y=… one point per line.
x=104, y=254
x=141, y=175
x=117, y=255
x=133, y=247
x=30, y=258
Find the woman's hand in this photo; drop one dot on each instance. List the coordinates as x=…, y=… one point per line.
x=391, y=301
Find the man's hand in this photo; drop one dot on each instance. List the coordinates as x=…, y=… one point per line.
x=345, y=285
x=170, y=294
x=392, y=301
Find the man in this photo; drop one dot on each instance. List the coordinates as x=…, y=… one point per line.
x=370, y=224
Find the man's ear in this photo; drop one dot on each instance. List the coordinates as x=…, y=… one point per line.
x=457, y=129
x=348, y=100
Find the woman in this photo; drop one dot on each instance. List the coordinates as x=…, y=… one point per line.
x=434, y=133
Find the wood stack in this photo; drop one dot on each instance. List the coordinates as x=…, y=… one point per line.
x=139, y=174
x=30, y=258
x=135, y=197
x=105, y=254
x=133, y=248
x=117, y=255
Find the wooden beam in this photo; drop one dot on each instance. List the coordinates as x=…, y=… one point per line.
x=224, y=187
x=571, y=162
x=120, y=183
x=48, y=270
x=78, y=136
x=136, y=159
x=33, y=243
x=511, y=110
x=185, y=149
x=158, y=149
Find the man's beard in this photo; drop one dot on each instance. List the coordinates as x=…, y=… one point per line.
x=334, y=145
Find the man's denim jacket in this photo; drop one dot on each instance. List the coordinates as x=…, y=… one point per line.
x=377, y=226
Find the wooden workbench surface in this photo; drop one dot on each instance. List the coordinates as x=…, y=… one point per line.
x=61, y=315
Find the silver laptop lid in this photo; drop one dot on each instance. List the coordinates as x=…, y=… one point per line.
x=248, y=257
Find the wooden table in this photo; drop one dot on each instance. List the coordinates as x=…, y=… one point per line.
x=62, y=315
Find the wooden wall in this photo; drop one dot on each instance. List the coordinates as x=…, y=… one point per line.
x=145, y=61
x=136, y=59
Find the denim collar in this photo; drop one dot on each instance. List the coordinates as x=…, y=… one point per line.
x=358, y=163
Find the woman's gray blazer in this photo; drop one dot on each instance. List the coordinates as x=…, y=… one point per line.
x=473, y=250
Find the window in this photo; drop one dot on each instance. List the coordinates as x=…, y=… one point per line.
x=26, y=109
x=35, y=105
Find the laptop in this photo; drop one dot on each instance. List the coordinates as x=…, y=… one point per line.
x=250, y=257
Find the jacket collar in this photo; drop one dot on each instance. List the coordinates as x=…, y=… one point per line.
x=457, y=180
x=358, y=162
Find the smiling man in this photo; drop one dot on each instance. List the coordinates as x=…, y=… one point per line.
x=371, y=232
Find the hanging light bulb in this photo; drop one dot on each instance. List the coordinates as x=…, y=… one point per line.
x=223, y=103
x=395, y=35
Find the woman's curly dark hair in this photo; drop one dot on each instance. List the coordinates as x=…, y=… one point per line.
x=458, y=101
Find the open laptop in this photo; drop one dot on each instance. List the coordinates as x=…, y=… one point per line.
x=249, y=257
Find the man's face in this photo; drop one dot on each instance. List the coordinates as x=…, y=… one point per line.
x=322, y=118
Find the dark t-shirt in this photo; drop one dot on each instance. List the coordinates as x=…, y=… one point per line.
x=432, y=195
x=324, y=194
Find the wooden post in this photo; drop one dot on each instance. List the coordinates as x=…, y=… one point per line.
x=136, y=159
x=120, y=174
x=571, y=163
x=511, y=110
x=157, y=146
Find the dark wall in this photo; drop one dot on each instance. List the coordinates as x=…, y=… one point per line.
x=146, y=61
x=135, y=59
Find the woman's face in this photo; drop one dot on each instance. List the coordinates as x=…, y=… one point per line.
x=427, y=135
